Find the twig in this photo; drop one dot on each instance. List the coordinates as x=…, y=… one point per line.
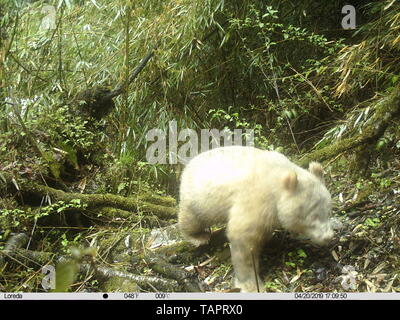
x=124, y=85
x=254, y=268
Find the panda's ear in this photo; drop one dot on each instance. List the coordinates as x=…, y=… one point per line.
x=316, y=169
x=290, y=181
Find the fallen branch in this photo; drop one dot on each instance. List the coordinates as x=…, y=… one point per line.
x=97, y=102
x=160, y=265
x=95, y=202
x=15, y=242
x=147, y=282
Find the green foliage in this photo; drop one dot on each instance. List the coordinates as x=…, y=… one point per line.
x=358, y=64
x=233, y=120
x=12, y=217
x=65, y=131
x=274, y=286
x=67, y=271
x=66, y=274
x=22, y=220
x=71, y=130
x=53, y=136
x=296, y=258
x=284, y=84
x=61, y=206
x=204, y=48
x=372, y=223
x=67, y=244
x=128, y=176
x=364, y=68
x=223, y=270
x=382, y=182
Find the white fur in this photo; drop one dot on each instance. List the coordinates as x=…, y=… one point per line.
x=254, y=192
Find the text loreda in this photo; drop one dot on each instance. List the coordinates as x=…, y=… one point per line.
x=187, y=143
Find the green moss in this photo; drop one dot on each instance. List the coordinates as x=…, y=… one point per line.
x=117, y=284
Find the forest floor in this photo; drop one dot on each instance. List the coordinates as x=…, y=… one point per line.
x=363, y=257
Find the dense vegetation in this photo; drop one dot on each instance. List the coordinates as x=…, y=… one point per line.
x=83, y=82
